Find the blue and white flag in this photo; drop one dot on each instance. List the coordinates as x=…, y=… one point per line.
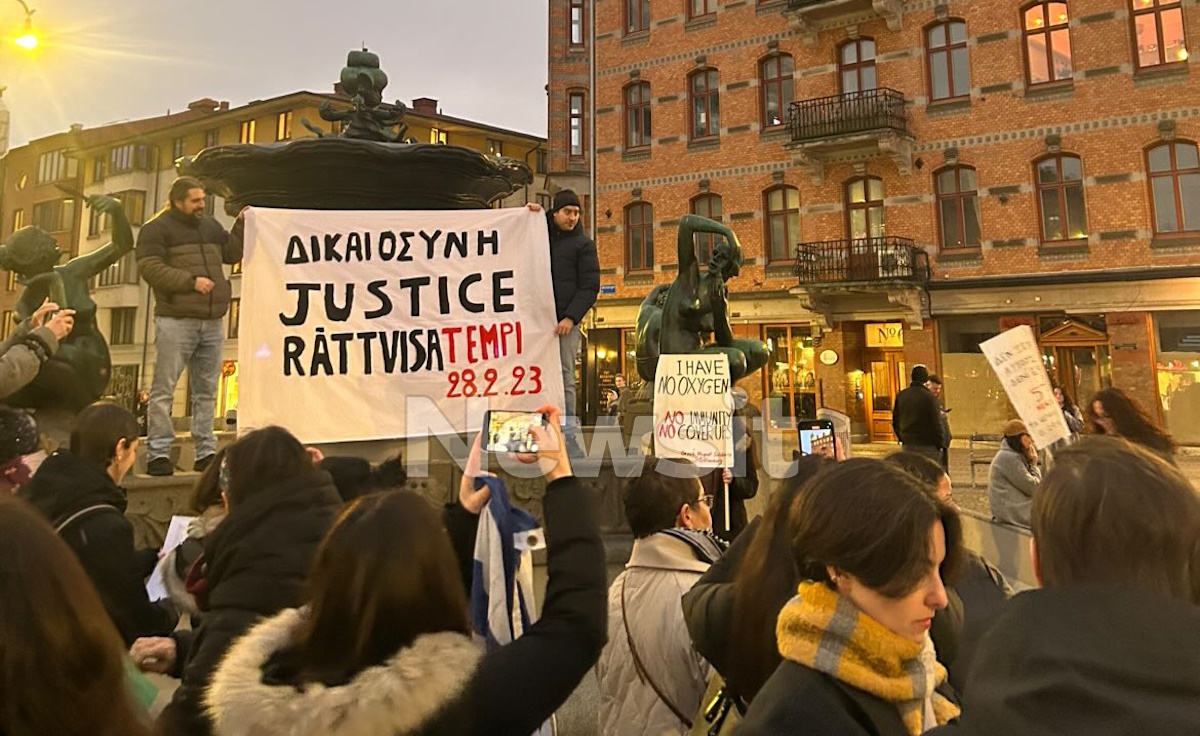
x=502, y=597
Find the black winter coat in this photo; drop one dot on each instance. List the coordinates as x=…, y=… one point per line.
x=442, y=684
x=799, y=700
x=1095, y=660
x=708, y=611
x=917, y=418
x=103, y=541
x=575, y=270
x=257, y=562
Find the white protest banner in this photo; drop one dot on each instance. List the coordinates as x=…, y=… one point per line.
x=1015, y=357
x=362, y=325
x=692, y=409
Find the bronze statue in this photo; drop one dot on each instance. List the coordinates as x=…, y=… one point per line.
x=370, y=119
x=680, y=317
x=79, y=372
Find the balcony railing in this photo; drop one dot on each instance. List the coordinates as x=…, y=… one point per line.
x=883, y=259
x=853, y=112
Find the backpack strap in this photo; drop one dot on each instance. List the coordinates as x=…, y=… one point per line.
x=641, y=668
x=60, y=526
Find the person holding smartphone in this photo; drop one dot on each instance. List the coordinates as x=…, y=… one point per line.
x=384, y=645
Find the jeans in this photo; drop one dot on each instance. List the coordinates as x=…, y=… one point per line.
x=568, y=350
x=181, y=343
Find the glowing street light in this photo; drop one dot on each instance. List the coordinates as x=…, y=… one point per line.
x=28, y=40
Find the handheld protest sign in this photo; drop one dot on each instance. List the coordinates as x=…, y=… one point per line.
x=693, y=409
x=1015, y=357
x=363, y=325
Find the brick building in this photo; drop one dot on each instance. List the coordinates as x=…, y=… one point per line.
x=905, y=179
x=136, y=163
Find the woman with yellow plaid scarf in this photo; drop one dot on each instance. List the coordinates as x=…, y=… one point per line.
x=871, y=547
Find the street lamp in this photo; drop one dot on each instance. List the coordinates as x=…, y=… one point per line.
x=28, y=40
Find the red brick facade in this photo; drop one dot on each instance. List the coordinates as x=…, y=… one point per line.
x=1105, y=111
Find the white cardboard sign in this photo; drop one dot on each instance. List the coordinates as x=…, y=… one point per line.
x=693, y=418
x=1015, y=357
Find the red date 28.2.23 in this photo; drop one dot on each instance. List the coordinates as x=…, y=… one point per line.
x=468, y=383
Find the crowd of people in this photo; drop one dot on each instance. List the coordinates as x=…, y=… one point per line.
x=316, y=595
x=323, y=598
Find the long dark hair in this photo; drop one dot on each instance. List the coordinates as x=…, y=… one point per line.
x=98, y=429
x=207, y=491
x=1112, y=512
x=385, y=574
x=871, y=519
x=764, y=582
x=62, y=668
x=263, y=458
x=1067, y=405
x=1129, y=419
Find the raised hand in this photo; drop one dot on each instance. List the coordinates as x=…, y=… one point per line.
x=62, y=323
x=551, y=455
x=39, y=317
x=471, y=499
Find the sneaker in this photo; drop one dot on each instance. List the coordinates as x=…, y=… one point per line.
x=203, y=463
x=160, y=466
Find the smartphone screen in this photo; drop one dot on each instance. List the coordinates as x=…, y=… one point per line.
x=511, y=431
x=816, y=438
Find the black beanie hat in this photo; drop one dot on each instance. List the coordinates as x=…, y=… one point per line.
x=18, y=434
x=565, y=198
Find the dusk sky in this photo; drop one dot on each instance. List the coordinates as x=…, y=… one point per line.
x=104, y=61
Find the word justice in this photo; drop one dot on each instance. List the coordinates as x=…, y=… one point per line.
x=339, y=298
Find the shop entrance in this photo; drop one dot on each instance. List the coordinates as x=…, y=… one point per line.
x=886, y=376
x=1078, y=360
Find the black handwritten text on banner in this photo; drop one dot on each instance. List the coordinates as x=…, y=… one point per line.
x=369, y=325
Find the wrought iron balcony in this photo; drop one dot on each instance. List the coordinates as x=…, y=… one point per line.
x=852, y=113
x=887, y=259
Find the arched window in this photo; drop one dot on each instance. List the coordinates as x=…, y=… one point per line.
x=782, y=205
x=856, y=66
x=1158, y=32
x=864, y=208
x=637, y=115
x=639, y=236
x=1047, y=43
x=704, y=90
x=958, y=207
x=1060, y=198
x=947, y=60
x=1175, y=186
x=707, y=205
x=778, y=89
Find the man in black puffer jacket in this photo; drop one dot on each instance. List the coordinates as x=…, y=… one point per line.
x=575, y=270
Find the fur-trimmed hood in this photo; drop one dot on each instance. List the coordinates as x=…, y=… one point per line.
x=397, y=697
